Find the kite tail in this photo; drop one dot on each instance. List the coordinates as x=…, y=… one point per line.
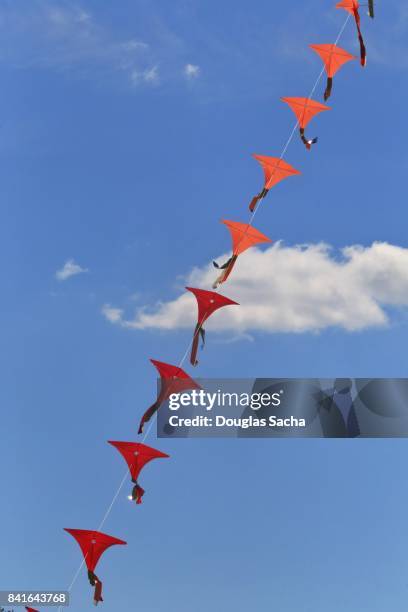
x=227, y=269
x=253, y=203
x=329, y=87
x=98, y=591
x=137, y=493
x=194, y=349
x=218, y=281
x=148, y=415
x=363, y=51
x=224, y=266
x=308, y=143
x=95, y=582
x=256, y=199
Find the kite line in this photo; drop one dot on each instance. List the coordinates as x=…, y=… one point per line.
x=94, y=543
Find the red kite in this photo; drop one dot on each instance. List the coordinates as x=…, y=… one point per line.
x=275, y=170
x=93, y=544
x=137, y=456
x=333, y=58
x=208, y=302
x=28, y=609
x=243, y=237
x=305, y=109
x=352, y=6
x=173, y=380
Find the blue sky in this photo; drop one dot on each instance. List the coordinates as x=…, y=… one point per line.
x=119, y=158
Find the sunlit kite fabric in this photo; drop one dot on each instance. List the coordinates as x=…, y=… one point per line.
x=172, y=380
x=305, y=109
x=333, y=58
x=93, y=544
x=244, y=236
x=275, y=170
x=208, y=302
x=137, y=455
x=352, y=7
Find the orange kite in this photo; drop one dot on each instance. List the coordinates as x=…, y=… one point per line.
x=333, y=58
x=305, y=109
x=275, y=170
x=244, y=237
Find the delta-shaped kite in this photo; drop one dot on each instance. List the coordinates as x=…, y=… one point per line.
x=244, y=236
x=333, y=58
x=207, y=302
x=275, y=170
x=93, y=544
x=172, y=380
x=137, y=455
x=305, y=109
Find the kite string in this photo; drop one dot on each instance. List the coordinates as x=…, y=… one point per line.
x=105, y=518
x=184, y=357
x=294, y=129
x=122, y=482
x=288, y=142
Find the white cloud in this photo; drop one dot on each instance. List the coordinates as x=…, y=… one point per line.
x=150, y=75
x=191, y=71
x=70, y=268
x=114, y=315
x=293, y=289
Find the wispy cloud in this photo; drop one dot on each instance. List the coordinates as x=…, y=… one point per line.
x=191, y=71
x=114, y=315
x=70, y=268
x=150, y=75
x=293, y=289
x=64, y=37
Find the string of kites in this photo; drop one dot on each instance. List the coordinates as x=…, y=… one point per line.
x=173, y=379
